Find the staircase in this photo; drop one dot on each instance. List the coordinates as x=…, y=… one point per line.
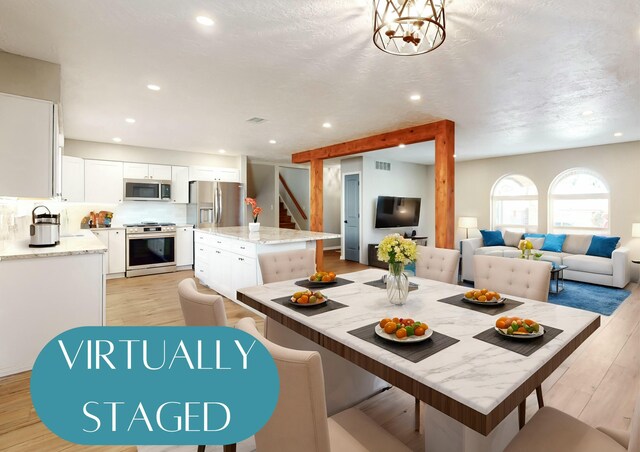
x=285, y=218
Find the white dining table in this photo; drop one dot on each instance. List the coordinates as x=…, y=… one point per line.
x=472, y=388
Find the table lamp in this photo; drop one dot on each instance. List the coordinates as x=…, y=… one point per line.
x=635, y=230
x=467, y=223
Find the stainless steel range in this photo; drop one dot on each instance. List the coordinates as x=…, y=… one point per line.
x=151, y=248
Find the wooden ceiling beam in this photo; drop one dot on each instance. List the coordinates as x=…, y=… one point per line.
x=410, y=135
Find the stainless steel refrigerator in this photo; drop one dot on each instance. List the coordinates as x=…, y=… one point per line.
x=215, y=204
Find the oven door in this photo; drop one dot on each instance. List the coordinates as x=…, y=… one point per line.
x=151, y=250
x=142, y=190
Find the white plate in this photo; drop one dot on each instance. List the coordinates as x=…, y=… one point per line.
x=499, y=301
x=392, y=337
x=308, y=305
x=520, y=336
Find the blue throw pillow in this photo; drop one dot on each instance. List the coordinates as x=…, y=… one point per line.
x=492, y=238
x=602, y=246
x=533, y=236
x=553, y=242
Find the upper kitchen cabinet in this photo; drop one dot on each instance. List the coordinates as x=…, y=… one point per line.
x=146, y=171
x=72, y=179
x=27, y=146
x=180, y=184
x=204, y=173
x=103, y=181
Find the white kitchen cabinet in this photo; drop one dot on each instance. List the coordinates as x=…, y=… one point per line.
x=146, y=171
x=103, y=181
x=180, y=184
x=184, y=246
x=117, y=251
x=27, y=146
x=228, y=175
x=204, y=173
x=160, y=172
x=220, y=276
x=243, y=272
x=115, y=257
x=203, y=256
x=72, y=179
x=135, y=170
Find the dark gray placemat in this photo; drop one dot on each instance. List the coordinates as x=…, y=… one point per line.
x=311, y=285
x=524, y=347
x=414, y=352
x=456, y=300
x=330, y=305
x=380, y=285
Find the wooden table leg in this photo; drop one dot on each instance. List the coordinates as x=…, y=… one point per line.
x=229, y=448
x=539, y=396
x=416, y=414
x=522, y=412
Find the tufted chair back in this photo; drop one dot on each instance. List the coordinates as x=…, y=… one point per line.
x=299, y=421
x=287, y=265
x=513, y=276
x=440, y=264
x=199, y=309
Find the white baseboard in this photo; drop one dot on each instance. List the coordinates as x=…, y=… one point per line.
x=329, y=248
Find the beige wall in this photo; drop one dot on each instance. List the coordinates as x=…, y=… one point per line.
x=29, y=77
x=618, y=164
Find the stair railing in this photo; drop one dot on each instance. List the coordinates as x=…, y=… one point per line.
x=293, y=198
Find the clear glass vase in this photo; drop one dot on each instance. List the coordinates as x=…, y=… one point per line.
x=397, y=284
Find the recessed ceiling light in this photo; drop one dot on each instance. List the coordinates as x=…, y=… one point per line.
x=117, y=139
x=617, y=134
x=130, y=120
x=401, y=145
x=222, y=151
x=326, y=125
x=587, y=113
x=415, y=97
x=204, y=20
x=153, y=87
x=272, y=141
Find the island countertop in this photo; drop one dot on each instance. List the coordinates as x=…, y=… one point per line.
x=268, y=235
x=84, y=242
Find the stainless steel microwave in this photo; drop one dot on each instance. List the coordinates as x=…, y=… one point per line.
x=147, y=190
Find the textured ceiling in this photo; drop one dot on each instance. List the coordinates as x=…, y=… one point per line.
x=515, y=76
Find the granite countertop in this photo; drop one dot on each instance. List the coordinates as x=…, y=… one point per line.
x=268, y=235
x=83, y=242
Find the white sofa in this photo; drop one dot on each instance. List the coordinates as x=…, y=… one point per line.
x=614, y=271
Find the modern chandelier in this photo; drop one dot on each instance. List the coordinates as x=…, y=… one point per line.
x=408, y=27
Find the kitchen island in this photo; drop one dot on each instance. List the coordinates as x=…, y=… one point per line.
x=46, y=291
x=226, y=258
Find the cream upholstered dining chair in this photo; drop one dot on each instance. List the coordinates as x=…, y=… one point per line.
x=440, y=264
x=550, y=429
x=513, y=276
x=199, y=309
x=287, y=265
x=300, y=421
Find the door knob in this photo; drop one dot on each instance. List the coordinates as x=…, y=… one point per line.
x=345, y=221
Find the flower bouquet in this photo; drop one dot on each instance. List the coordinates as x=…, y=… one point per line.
x=398, y=252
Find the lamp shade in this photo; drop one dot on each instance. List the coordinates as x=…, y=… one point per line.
x=635, y=230
x=467, y=222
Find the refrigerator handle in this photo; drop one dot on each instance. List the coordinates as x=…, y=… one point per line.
x=219, y=194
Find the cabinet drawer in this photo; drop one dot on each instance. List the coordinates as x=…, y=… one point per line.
x=202, y=254
x=203, y=238
x=243, y=248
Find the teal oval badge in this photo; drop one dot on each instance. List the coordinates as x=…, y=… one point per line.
x=154, y=385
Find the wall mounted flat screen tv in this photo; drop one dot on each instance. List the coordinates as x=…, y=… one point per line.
x=397, y=212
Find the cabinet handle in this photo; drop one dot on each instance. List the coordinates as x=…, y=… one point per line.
x=201, y=249
x=218, y=252
x=241, y=258
x=242, y=248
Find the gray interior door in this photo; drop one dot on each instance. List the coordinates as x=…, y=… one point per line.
x=352, y=217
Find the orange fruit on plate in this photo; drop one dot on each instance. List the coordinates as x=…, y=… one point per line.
x=383, y=322
x=390, y=327
x=332, y=275
x=496, y=295
x=401, y=333
x=419, y=331
x=529, y=322
x=484, y=291
x=395, y=320
x=482, y=298
x=326, y=278
x=303, y=299
x=501, y=324
x=522, y=330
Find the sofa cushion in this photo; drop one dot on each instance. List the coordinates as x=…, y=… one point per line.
x=602, y=246
x=493, y=250
x=589, y=264
x=537, y=242
x=553, y=242
x=512, y=252
x=535, y=235
x=492, y=238
x=551, y=256
x=577, y=243
x=512, y=238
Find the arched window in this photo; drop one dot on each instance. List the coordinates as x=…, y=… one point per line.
x=579, y=203
x=514, y=204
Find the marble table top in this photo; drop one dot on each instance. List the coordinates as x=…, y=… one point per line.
x=82, y=242
x=472, y=372
x=268, y=235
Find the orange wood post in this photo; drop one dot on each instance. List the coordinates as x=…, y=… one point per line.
x=317, y=207
x=445, y=186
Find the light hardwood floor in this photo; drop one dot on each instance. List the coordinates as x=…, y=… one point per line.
x=597, y=384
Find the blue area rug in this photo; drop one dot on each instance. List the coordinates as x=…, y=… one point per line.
x=599, y=299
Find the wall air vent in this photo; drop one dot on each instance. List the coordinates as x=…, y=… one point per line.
x=383, y=166
x=256, y=120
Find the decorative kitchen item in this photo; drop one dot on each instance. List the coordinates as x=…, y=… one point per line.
x=45, y=229
x=256, y=211
x=397, y=251
x=525, y=246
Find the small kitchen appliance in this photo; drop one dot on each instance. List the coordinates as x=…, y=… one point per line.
x=45, y=229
